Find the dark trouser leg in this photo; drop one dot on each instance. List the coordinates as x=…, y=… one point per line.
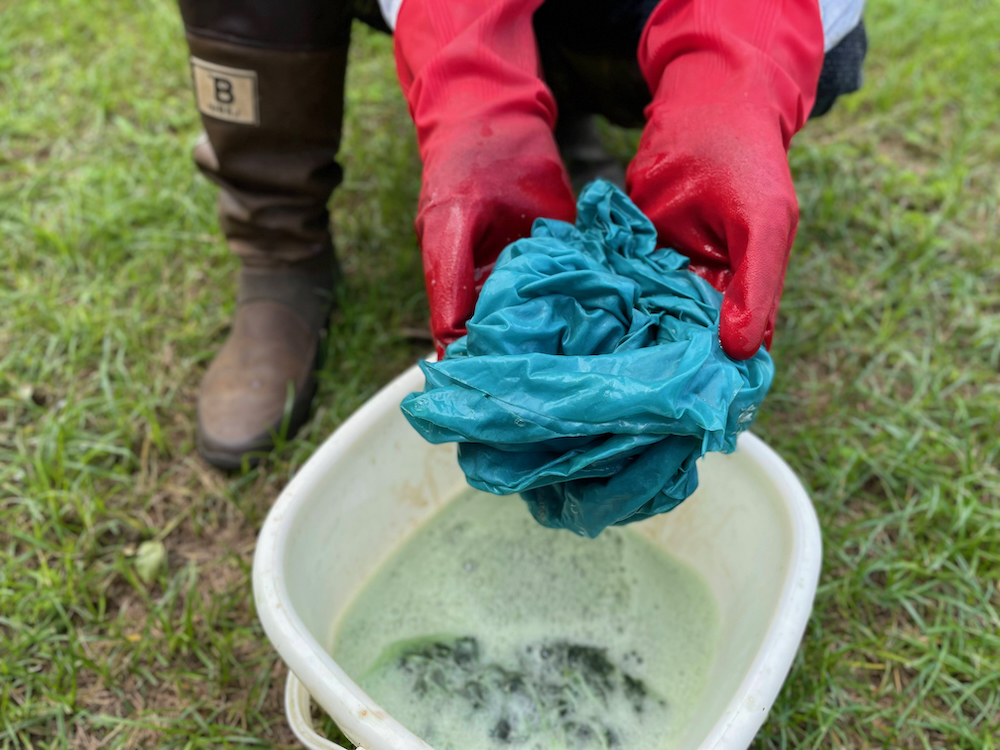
x=841, y=72
x=269, y=82
x=588, y=57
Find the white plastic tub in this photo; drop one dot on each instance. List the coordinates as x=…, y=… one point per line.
x=750, y=530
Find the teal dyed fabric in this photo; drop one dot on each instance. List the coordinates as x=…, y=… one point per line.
x=591, y=378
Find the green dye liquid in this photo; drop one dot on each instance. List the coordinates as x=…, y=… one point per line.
x=486, y=631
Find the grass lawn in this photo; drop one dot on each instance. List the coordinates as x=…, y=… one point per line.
x=116, y=288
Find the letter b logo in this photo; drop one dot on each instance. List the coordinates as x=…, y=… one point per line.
x=225, y=93
x=223, y=90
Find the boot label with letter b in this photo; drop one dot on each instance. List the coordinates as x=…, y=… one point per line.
x=225, y=93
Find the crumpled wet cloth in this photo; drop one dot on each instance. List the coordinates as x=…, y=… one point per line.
x=591, y=379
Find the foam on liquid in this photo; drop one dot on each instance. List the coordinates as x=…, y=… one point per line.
x=486, y=631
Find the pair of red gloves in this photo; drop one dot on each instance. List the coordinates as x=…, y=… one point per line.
x=732, y=81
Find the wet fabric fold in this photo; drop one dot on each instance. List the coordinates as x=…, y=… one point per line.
x=591, y=378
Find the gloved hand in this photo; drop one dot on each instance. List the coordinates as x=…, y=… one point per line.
x=732, y=81
x=471, y=76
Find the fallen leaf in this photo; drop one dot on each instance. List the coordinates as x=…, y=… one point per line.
x=148, y=560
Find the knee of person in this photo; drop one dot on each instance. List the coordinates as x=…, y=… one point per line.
x=842, y=70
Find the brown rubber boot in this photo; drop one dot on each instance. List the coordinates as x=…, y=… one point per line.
x=272, y=118
x=261, y=383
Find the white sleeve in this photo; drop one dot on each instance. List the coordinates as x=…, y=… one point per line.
x=840, y=17
x=390, y=11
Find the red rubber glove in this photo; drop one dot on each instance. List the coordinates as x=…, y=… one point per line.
x=732, y=81
x=471, y=75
